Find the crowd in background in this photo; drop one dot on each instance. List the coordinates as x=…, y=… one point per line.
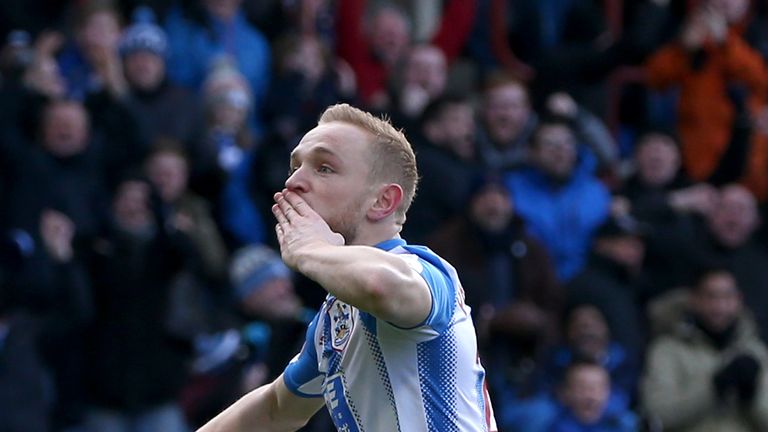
x=596, y=170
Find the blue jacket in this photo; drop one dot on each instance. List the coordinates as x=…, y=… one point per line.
x=562, y=216
x=193, y=47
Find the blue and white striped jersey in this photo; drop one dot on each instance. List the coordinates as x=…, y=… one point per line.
x=378, y=377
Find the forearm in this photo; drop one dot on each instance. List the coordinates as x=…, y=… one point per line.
x=254, y=411
x=370, y=279
x=249, y=411
x=597, y=137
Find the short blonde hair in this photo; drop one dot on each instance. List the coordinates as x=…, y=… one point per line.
x=393, y=157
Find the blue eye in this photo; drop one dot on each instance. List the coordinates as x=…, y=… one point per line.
x=325, y=169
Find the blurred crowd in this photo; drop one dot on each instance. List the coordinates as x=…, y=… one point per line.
x=596, y=170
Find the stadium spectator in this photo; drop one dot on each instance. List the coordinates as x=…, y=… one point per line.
x=227, y=140
x=163, y=110
x=613, y=278
x=447, y=152
x=90, y=62
x=376, y=42
x=587, y=337
x=222, y=31
x=136, y=366
x=424, y=78
x=718, y=76
x=561, y=204
x=508, y=123
x=507, y=276
x=709, y=372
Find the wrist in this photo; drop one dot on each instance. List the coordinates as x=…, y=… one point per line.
x=309, y=254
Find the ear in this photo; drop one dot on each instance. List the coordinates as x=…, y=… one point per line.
x=389, y=198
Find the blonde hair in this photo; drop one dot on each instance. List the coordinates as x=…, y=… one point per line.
x=393, y=157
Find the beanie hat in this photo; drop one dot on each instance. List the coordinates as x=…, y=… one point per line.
x=252, y=267
x=144, y=34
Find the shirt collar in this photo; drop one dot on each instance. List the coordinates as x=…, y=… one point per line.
x=390, y=244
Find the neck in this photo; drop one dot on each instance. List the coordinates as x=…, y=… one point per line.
x=373, y=235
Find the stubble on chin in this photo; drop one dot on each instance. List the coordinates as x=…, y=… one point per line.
x=347, y=221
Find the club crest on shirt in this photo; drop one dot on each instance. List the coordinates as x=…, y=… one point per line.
x=342, y=323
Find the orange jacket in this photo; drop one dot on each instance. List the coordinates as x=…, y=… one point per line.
x=705, y=113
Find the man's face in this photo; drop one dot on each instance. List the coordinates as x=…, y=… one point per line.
x=65, y=129
x=588, y=333
x=144, y=70
x=658, y=160
x=554, y=151
x=169, y=173
x=717, y=301
x=130, y=206
x=458, y=125
x=735, y=217
x=586, y=392
x=492, y=208
x=427, y=68
x=506, y=111
x=330, y=170
x=390, y=35
x=101, y=29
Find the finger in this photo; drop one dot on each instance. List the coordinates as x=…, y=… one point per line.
x=298, y=203
x=279, y=215
x=280, y=233
x=286, y=208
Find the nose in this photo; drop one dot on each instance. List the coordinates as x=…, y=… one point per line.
x=296, y=181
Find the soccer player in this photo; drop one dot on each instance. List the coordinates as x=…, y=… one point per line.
x=393, y=347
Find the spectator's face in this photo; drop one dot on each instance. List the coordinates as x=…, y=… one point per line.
x=228, y=104
x=427, y=68
x=274, y=300
x=734, y=219
x=554, y=151
x=330, y=170
x=458, y=128
x=144, y=70
x=491, y=208
x=507, y=110
x=658, y=160
x=131, y=206
x=717, y=301
x=100, y=29
x=587, y=333
x=65, y=129
x=586, y=392
x=390, y=35
x=169, y=173
x=307, y=59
